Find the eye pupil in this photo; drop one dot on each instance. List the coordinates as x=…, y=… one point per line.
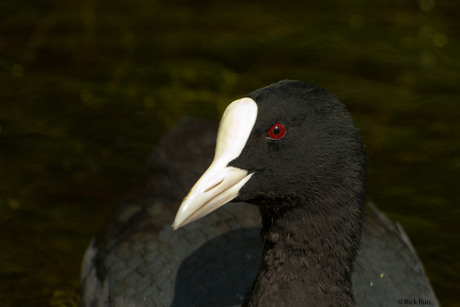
x=277, y=131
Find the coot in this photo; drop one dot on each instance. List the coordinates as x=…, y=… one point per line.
x=296, y=232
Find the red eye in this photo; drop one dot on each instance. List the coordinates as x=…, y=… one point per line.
x=277, y=131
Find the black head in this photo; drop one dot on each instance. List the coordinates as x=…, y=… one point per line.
x=319, y=160
x=287, y=144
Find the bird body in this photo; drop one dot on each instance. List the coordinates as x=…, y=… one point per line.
x=301, y=188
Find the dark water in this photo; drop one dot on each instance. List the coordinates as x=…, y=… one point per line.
x=87, y=87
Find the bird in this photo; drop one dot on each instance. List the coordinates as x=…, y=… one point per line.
x=267, y=209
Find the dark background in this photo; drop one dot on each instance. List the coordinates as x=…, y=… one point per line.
x=87, y=88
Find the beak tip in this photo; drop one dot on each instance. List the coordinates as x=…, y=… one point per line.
x=177, y=224
x=201, y=201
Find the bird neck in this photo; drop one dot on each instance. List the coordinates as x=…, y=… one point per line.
x=307, y=257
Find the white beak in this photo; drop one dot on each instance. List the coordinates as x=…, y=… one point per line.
x=221, y=183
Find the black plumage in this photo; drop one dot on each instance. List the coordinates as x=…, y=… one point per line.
x=308, y=188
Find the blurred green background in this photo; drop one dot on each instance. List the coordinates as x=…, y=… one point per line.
x=87, y=88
